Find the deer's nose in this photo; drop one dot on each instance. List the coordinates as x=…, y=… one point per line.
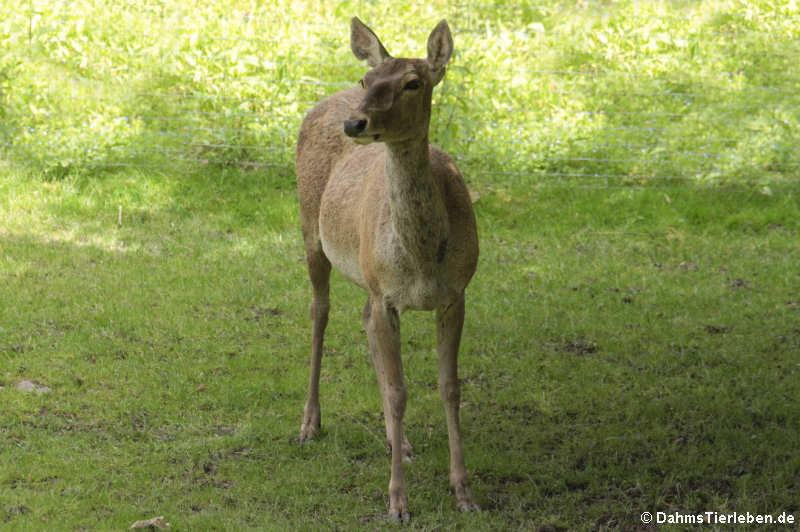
x=353, y=128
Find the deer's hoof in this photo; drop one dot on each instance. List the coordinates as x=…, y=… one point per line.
x=306, y=436
x=307, y=432
x=399, y=517
x=312, y=421
x=464, y=499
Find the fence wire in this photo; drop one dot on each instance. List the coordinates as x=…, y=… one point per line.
x=597, y=125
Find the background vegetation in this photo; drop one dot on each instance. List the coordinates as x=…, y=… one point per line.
x=633, y=331
x=701, y=91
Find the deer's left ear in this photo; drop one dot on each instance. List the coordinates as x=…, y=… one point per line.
x=440, y=48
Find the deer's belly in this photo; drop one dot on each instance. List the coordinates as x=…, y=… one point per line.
x=338, y=225
x=343, y=257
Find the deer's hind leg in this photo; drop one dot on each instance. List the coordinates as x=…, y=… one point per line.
x=382, y=323
x=407, y=451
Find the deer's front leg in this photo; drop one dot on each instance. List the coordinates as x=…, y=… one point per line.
x=383, y=328
x=450, y=321
x=319, y=269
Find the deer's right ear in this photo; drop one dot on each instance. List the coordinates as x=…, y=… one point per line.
x=366, y=45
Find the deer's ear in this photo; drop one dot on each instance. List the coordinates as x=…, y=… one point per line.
x=440, y=48
x=366, y=45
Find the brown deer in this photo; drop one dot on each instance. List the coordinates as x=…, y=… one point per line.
x=392, y=214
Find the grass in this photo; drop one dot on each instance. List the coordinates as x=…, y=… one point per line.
x=611, y=364
x=622, y=92
x=632, y=331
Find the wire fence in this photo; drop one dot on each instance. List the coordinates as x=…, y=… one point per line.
x=650, y=101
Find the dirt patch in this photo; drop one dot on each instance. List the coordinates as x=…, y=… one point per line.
x=581, y=346
x=13, y=511
x=717, y=329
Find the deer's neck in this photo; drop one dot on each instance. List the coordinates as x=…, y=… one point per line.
x=418, y=215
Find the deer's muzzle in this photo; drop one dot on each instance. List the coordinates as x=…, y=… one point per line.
x=354, y=128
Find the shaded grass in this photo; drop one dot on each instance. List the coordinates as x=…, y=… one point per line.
x=624, y=351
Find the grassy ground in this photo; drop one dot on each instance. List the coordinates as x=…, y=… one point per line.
x=616, y=360
x=628, y=348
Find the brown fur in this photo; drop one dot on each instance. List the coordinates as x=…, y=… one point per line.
x=393, y=215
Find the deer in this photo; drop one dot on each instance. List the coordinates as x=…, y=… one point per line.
x=392, y=214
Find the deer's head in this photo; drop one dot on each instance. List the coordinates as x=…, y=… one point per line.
x=396, y=93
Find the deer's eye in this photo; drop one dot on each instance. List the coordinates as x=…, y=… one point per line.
x=412, y=85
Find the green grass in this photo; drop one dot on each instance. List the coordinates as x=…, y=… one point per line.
x=614, y=361
x=622, y=92
x=632, y=332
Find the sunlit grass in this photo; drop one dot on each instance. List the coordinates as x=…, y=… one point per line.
x=593, y=93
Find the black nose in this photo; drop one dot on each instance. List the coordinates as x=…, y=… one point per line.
x=353, y=128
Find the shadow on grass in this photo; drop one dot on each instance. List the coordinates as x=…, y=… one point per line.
x=622, y=441
x=194, y=296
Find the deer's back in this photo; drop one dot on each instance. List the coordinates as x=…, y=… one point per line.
x=320, y=145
